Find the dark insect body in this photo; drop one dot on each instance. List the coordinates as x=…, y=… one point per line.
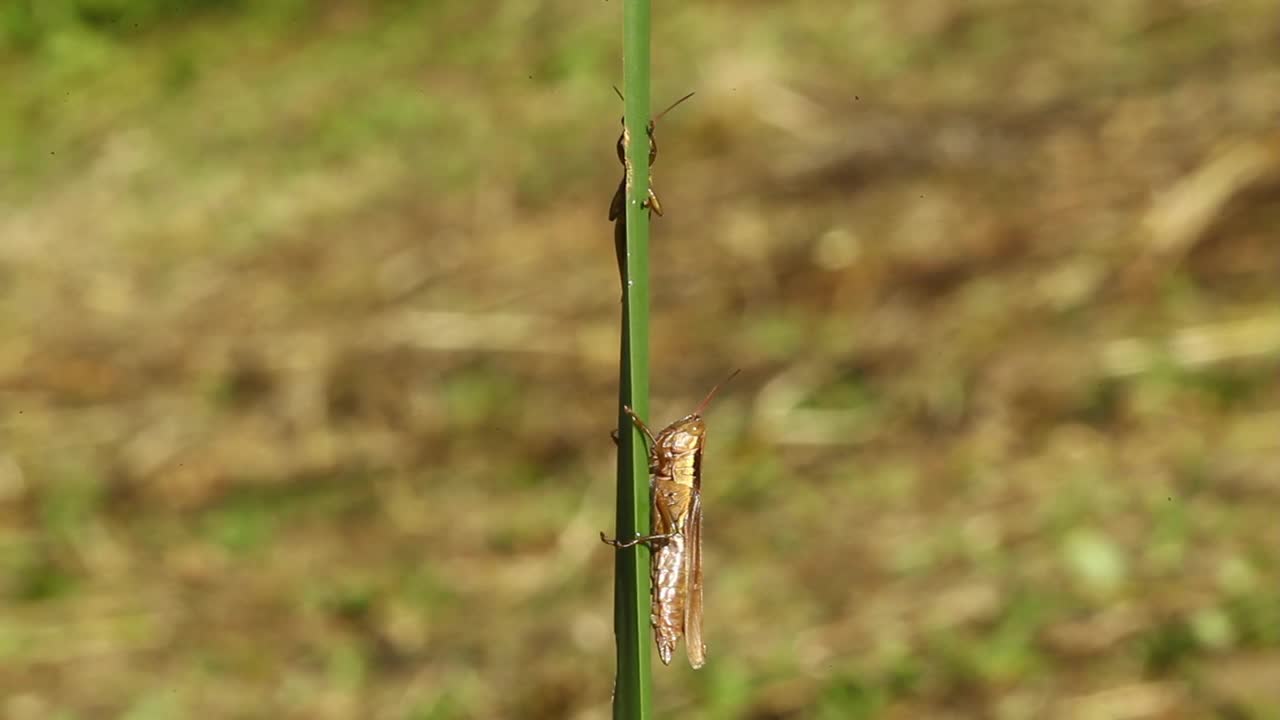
x=618, y=206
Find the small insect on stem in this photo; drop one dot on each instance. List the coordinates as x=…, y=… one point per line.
x=675, y=532
x=618, y=206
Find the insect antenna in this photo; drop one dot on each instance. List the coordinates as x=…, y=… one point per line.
x=670, y=107
x=657, y=117
x=703, y=405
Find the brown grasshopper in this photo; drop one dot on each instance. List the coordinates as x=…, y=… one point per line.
x=618, y=206
x=675, y=539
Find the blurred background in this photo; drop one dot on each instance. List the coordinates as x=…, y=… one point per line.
x=310, y=311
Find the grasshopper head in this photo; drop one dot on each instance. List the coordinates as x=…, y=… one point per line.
x=684, y=434
x=688, y=432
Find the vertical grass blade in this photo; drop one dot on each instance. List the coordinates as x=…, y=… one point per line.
x=632, y=699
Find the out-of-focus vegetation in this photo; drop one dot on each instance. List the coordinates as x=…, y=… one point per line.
x=309, y=317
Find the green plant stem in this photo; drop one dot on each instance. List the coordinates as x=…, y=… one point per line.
x=632, y=700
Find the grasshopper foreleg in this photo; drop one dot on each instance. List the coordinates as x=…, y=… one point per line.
x=640, y=424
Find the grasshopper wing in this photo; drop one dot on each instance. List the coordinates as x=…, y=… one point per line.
x=694, y=646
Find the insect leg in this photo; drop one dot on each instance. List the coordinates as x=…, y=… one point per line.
x=645, y=539
x=653, y=203
x=653, y=462
x=640, y=424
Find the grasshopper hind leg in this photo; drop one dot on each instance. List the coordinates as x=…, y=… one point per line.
x=648, y=540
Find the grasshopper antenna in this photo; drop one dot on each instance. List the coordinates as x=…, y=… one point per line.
x=657, y=117
x=670, y=107
x=703, y=405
